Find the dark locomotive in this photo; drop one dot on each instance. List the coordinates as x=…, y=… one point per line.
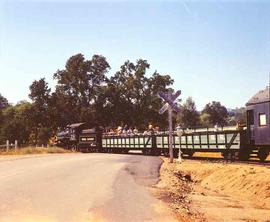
x=232, y=143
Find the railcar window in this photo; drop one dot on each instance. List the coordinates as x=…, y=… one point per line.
x=262, y=119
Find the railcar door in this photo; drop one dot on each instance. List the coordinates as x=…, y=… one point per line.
x=250, y=126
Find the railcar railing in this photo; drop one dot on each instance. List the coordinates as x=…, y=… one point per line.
x=128, y=141
x=191, y=140
x=206, y=140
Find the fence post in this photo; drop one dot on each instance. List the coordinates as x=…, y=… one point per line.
x=7, y=147
x=16, y=145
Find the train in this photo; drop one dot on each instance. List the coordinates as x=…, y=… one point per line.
x=241, y=143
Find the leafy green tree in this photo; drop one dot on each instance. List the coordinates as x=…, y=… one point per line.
x=217, y=113
x=205, y=120
x=78, y=88
x=40, y=110
x=3, y=104
x=17, y=122
x=132, y=96
x=189, y=116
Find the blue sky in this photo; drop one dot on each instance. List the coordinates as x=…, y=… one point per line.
x=214, y=50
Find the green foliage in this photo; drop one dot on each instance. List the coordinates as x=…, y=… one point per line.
x=16, y=124
x=132, y=96
x=217, y=113
x=40, y=111
x=237, y=115
x=205, y=120
x=189, y=116
x=78, y=88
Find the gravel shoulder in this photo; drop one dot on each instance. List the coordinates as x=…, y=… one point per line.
x=206, y=191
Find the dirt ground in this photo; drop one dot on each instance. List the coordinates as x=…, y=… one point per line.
x=207, y=191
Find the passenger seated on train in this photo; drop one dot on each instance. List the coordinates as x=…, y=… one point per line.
x=111, y=131
x=125, y=130
x=119, y=130
x=240, y=126
x=156, y=130
x=130, y=131
x=135, y=131
x=216, y=127
x=145, y=133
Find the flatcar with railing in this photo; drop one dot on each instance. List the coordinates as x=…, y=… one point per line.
x=232, y=142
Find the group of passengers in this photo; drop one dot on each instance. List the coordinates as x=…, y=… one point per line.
x=129, y=131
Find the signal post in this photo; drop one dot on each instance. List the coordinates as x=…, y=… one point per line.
x=170, y=105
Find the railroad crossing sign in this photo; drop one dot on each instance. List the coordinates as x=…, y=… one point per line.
x=170, y=105
x=169, y=98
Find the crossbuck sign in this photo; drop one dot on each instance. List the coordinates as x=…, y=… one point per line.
x=170, y=105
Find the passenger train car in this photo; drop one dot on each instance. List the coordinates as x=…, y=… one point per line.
x=232, y=143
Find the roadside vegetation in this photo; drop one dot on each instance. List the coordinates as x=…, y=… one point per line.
x=34, y=150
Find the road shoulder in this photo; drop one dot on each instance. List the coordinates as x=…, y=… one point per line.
x=133, y=200
x=207, y=191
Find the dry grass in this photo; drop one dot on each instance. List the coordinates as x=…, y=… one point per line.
x=34, y=150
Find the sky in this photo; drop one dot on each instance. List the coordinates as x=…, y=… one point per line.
x=214, y=50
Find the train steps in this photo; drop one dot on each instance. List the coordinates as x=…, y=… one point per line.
x=254, y=153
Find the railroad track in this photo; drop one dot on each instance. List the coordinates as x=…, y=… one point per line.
x=256, y=162
x=221, y=160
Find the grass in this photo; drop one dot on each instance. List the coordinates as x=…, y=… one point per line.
x=34, y=150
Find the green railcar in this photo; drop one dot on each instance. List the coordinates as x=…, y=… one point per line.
x=230, y=143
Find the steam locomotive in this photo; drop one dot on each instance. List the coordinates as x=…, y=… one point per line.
x=232, y=143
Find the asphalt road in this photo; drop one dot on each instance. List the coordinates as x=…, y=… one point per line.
x=80, y=187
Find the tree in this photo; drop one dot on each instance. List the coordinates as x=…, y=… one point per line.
x=217, y=113
x=132, y=96
x=78, y=88
x=205, y=120
x=3, y=102
x=40, y=110
x=17, y=123
x=189, y=116
x=237, y=115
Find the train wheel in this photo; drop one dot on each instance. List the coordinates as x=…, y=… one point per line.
x=145, y=152
x=262, y=154
x=229, y=156
x=166, y=153
x=74, y=148
x=244, y=155
x=225, y=155
x=125, y=151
